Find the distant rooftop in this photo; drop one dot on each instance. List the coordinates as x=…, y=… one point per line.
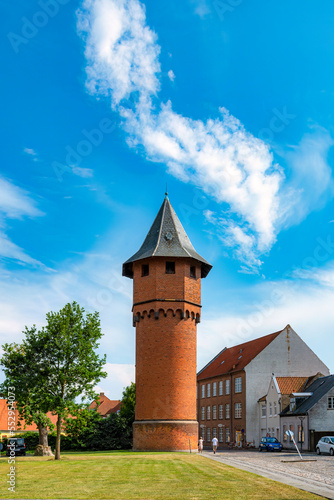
x=166, y=238
x=235, y=358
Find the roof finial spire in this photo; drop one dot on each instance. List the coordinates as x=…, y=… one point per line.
x=166, y=193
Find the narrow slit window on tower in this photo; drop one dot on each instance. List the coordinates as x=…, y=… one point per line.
x=170, y=267
x=145, y=270
x=193, y=272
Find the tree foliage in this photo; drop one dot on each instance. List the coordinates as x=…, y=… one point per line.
x=63, y=358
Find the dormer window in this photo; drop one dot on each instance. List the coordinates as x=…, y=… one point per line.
x=193, y=272
x=170, y=267
x=145, y=270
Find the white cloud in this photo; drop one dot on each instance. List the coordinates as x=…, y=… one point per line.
x=31, y=152
x=219, y=156
x=310, y=185
x=119, y=376
x=85, y=173
x=15, y=203
x=171, y=75
x=202, y=8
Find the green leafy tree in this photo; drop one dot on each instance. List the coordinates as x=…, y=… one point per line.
x=127, y=409
x=65, y=362
x=19, y=366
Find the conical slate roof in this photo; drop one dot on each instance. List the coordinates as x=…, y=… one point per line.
x=166, y=238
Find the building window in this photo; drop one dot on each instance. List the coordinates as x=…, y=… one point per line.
x=214, y=389
x=275, y=408
x=208, y=434
x=292, y=429
x=203, y=391
x=300, y=434
x=220, y=435
x=145, y=270
x=331, y=403
x=285, y=437
x=203, y=432
x=208, y=390
x=270, y=410
x=227, y=435
x=193, y=272
x=227, y=411
x=220, y=412
x=227, y=387
x=208, y=412
x=170, y=267
x=263, y=410
x=237, y=384
x=214, y=412
x=214, y=432
x=221, y=388
x=237, y=410
x=203, y=413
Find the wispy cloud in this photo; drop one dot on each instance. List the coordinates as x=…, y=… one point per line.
x=171, y=75
x=15, y=203
x=219, y=156
x=31, y=152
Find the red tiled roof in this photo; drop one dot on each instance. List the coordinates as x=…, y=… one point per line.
x=106, y=405
x=235, y=358
x=4, y=419
x=115, y=409
x=287, y=385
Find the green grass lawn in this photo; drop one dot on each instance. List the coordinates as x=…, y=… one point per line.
x=146, y=476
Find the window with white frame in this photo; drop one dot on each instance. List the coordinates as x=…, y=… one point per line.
x=227, y=387
x=237, y=385
x=220, y=412
x=227, y=435
x=214, y=432
x=203, y=413
x=227, y=411
x=220, y=434
x=208, y=390
x=208, y=412
x=208, y=434
x=214, y=412
x=263, y=410
x=203, y=391
x=214, y=389
x=275, y=408
x=237, y=410
x=330, y=403
x=221, y=388
x=270, y=410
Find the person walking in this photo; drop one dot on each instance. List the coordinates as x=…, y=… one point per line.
x=200, y=445
x=214, y=444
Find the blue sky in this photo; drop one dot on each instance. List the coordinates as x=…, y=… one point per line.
x=229, y=102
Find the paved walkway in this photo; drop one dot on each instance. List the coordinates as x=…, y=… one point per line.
x=316, y=477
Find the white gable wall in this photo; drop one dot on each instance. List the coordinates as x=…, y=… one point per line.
x=320, y=417
x=286, y=356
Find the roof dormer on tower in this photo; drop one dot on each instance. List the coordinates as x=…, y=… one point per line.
x=166, y=238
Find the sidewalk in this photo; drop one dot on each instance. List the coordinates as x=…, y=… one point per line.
x=270, y=470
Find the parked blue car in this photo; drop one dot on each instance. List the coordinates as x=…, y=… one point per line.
x=270, y=444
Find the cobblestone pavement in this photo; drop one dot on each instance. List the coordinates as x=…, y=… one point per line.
x=320, y=472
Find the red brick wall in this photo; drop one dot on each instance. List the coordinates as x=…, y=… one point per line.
x=166, y=354
x=234, y=424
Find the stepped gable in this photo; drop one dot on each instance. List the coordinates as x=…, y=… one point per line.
x=235, y=358
x=166, y=238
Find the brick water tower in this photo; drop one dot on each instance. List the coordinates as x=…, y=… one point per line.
x=166, y=273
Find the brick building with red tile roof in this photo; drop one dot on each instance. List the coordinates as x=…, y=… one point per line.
x=106, y=406
x=230, y=385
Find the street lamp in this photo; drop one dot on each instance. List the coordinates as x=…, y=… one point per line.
x=301, y=432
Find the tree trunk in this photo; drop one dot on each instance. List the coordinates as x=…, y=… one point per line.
x=43, y=435
x=57, y=451
x=43, y=449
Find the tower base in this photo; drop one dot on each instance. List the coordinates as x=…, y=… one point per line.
x=165, y=435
